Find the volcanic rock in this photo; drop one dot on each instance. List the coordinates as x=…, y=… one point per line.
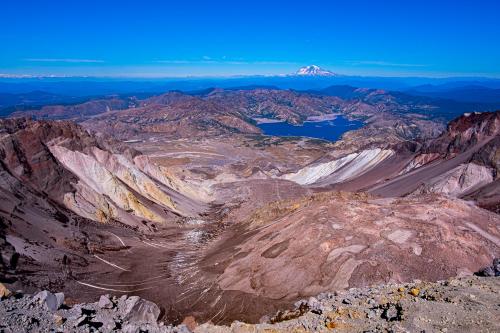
x=52, y=301
x=140, y=310
x=4, y=292
x=105, y=302
x=493, y=270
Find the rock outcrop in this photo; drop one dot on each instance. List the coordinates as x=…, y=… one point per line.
x=40, y=313
x=459, y=181
x=93, y=178
x=465, y=132
x=342, y=169
x=462, y=162
x=457, y=305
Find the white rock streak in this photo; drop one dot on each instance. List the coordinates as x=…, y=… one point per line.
x=341, y=169
x=111, y=264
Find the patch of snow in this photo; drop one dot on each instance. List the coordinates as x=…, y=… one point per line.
x=314, y=70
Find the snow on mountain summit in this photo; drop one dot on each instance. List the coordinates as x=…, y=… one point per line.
x=314, y=70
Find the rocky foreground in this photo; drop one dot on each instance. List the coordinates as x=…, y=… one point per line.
x=468, y=304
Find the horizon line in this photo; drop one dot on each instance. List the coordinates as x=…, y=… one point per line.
x=290, y=75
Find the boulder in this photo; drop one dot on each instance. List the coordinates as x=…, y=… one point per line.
x=52, y=301
x=58, y=320
x=493, y=270
x=8, y=255
x=4, y=292
x=190, y=322
x=105, y=302
x=496, y=266
x=141, y=310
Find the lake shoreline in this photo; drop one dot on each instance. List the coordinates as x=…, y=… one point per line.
x=327, y=127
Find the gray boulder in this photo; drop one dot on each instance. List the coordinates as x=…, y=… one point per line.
x=52, y=301
x=140, y=310
x=105, y=302
x=493, y=270
x=8, y=255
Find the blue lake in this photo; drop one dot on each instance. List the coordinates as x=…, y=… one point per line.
x=330, y=130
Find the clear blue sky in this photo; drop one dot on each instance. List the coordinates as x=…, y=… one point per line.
x=167, y=38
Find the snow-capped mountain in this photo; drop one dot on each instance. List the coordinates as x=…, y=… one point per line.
x=314, y=70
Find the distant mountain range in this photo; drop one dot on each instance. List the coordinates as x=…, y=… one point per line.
x=468, y=93
x=17, y=94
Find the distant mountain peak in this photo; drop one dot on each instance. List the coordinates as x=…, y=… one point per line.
x=313, y=70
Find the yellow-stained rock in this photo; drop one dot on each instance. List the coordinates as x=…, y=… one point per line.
x=4, y=292
x=58, y=320
x=415, y=292
x=190, y=322
x=331, y=325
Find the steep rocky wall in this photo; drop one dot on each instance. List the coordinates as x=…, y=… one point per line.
x=459, y=181
x=94, y=178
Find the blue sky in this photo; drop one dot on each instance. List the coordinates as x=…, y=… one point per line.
x=218, y=38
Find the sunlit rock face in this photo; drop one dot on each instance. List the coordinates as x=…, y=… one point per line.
x=169, y=179
x=99, y=179
x=342, y=169
x=459, y=181
x=464, y=162
x=73, y=168
x=419, y=161
x=25, y=154
x=466, y=131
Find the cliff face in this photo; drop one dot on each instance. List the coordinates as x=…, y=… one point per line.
x=342, y=169
x=25, y=153
x=462, y=161
x=474, y=139
x=66, y=193
x=465, y=132
x=93, y=178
